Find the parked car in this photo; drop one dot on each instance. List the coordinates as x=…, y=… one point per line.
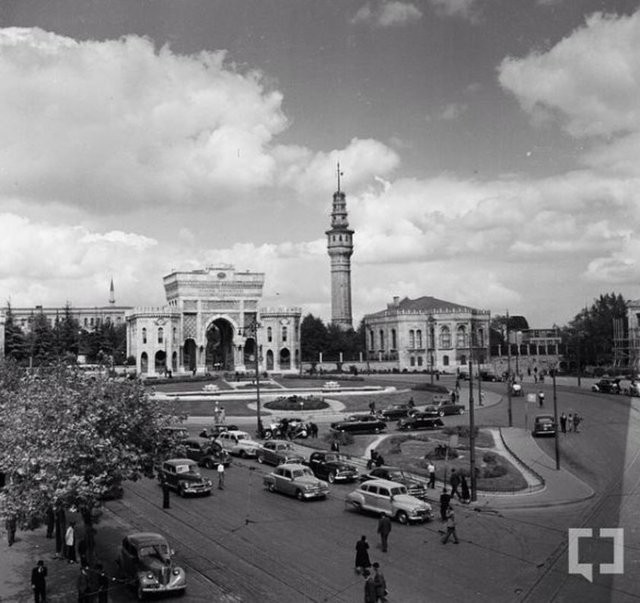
x=183, y=476
x=174, y=432
x=443, y=398
x=276, y=452
x=607, y=386
x=382, y=496
x=206, y=452
x=447, y=407
x=360, y=424
x=290, y=428
x=332, y=467
x=544, y=425
x=489, y=376
x=238, y=443
x=395, y=474
x=396, y=411
x=296, y=480
x=330, y=385
x=421, y=420
x=516, y=389
x=146, y=561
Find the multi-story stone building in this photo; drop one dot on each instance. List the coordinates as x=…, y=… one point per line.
x=212, y=322
x=427, y=334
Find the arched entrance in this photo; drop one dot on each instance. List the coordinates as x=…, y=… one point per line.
x=174, y=362
x=269, y=360
x=144, y=363
x=160, y=361
x=190, y=360
x=250, y=353
x=285, y=359
x=219, y=352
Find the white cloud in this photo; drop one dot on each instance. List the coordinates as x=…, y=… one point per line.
x=466, y=9
x=387, y=13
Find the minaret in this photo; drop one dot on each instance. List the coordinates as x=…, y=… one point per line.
x=112, y=295
x=340, y=248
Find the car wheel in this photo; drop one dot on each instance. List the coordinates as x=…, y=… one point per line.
x=402, y=518
x=331, y=478
x=140, y=592
x=271, y=487
x=461, y=411
x=376, y=430
x=441, y=413
x=299, y=495
x=260, y=459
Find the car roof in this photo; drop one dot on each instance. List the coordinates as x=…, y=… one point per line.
x=280, y=442
x=545, y=417
x=387, y=483
x=180, y=462
x=235, y=431
x=199, y=440
x=142, y=538
x=293, y=466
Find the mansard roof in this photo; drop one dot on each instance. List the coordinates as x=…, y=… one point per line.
x=424, y=305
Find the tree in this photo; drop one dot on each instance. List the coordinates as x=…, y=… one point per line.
x=41, y=340
x=67, y=331
x=14, y=339
x=314, y=338
x=68, y=440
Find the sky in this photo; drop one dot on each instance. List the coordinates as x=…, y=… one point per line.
x=488, y=148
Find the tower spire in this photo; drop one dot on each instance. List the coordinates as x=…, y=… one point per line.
x=112, y=296
x=339, y=174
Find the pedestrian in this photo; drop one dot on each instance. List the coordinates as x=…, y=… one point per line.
x=445, y=501
x=451, y=527
x=370, y=595
x=82, y=551
x=454, y=482
x=577, y=419
x=60, y=529
x=384, y=529
x=411, y=403
x=220, y=476
x=372, y=407
x=541, y=398
x=11, y=524
x=362, y=555
x=70, y=543
x=166, y=495
x=570, y=422
x=465, y=495
x=431, y=468
x=223, y=415
x=313, y=430
x=39, y=582
x=335, y=445
x=563, y=423
x=104, y=583
x=380, y=583
x=84, y=586
x=51, y=521
x=379, y=460
x=373, y=455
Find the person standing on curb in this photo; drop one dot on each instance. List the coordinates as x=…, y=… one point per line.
x=70, y=543
x=465, y=495
x=11, y=525
x=431, y=468
x=166, y=495
x=445, y=501
x=563, y=423
x=380, y=583
x=220, y=476
x=451, y=527
x=384, y=529
x=454, y=482
x=39, y=582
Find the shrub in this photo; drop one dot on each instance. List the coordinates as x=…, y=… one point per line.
x=462, y=431
x=344, y=438
x=494, y=470
x=489, y=458
x=430, y=387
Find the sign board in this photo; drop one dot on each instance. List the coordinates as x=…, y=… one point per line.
x=532, y=398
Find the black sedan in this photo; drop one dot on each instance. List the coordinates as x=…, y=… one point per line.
x=360, y=424
x=396, y=411
x=607, y=386
x=332, y=467
x=420, y=420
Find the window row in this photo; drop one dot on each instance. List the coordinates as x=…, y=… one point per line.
x=160, y=335
x=284, y=333
x=416, y=341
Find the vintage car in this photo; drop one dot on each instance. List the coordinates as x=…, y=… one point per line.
x=421, y=420
x=516, y=389
x=607, y=386
x=146, y=561
x=238, y=443
x=330, y=386
x=296, y=480
x=395, y=474
x=489, y=376
x=360, y=424
x=206, y=452
x=183, y=476
x=396, y=411
x=447, y=407
x=332, y=466
x=276, y=452
x=544, y=425
x=444, y=398
x=382, y=496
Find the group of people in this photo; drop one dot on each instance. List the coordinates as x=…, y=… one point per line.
x=375, y=585
x=459, y=480
x=570, y=422
x=375, y=458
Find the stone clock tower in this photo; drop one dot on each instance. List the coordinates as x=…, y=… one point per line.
x=340, y=249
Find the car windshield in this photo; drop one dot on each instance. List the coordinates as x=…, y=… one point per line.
x=242, y=436
x=302, y=472
x=185, y=468
x=398, y=490
x=396, y=475
x=157, y=550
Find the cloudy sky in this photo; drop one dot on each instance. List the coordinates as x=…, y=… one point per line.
x=489, y=147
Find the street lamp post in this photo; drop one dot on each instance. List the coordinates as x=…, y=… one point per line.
x=509, y=410
x=555, y=418
x=472, y=436
x=253, y=329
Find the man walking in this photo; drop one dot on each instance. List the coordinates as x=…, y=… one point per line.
x=369, y=587
x=384, y=528
x=431, y=468
x=563, y=423
x=451, y=527
x=70, y=543
x=570, y=422
x=445, y=501
x=541, y=398
x=577, y=419
x=380, y=583
x=220, y=476
x=166, y=495
x=454, y=482
x=39, y=582
x=10, y=525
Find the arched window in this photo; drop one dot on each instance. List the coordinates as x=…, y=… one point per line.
x=419, y=338
x=372, y=344
x=481, y=338
x=432, y=338
x=381, y=339
x=463, y=359
x=445, y=360
x=394, y=343
x=175, y=334
x=461, y=337
x=269, y=335
x=284, y=333
x=445, y=337
x=412, y=339
x=144, y=335
x=160, y=335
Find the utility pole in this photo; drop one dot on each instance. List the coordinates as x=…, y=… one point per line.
x=472, y=436
x=253, y=329
x=510, y=413
x=555, y=418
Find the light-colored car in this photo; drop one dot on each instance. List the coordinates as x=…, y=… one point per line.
x=277, y=452
x=296, y=480
x=146, y=561
x=239, y=443
x=384, y=496
x=330, y=385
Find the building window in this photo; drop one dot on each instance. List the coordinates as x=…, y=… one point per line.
x=381, y=339
x=269, y=335
x=445, y=360
x=412, y=361
x=284, y=333
x=175, y=335
x=394, y=343
x=412, y=339
x=144, y=335
x=461, y=337
x=419, y=338
x=463, y=359
x=91, y=321
x=445, y=337
x=419, y=360
x=372, y=344
x=160, y=335
x=481, y=338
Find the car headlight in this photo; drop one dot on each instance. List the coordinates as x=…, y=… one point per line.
x=150, y=576
x=176, y=572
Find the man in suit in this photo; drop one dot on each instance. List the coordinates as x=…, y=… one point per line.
x=39, y=582
x=384, y=527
